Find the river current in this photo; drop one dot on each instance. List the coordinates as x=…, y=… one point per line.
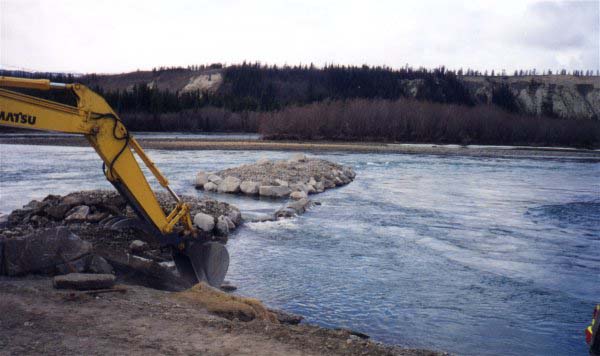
x=463, y=254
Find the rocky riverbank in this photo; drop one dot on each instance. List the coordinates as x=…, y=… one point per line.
x=67, y=235
x=296, y=178
x=88, y=232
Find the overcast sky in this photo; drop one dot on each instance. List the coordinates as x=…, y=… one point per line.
x=123, y=35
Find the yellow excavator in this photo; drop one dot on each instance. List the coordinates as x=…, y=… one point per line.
x=196, y=256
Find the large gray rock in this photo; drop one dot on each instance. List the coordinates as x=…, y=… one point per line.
x=222, y=225
x=84, y=281
x=99, y=265
x=201, y=179
x=57, y=211
x=42, y=250
x=210, y=187
x=275, y=191
x=249, y=187
x=235, y=216
x=297, y=157
x=204, y=222
x=320, y=187
x=297, y=195
x=138, y=246
x=229, y=185
x=215, y=179
x=80, y=265
x=78, y=213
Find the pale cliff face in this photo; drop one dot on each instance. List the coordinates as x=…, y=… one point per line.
x=563, y=96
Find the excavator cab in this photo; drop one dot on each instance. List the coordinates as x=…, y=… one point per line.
x=196, y=256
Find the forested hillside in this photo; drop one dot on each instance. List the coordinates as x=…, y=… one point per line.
x=239, y=97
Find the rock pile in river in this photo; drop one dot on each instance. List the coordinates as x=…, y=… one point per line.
x=296, y=178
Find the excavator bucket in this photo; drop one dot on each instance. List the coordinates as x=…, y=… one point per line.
x=199, y=261
x=203, y=262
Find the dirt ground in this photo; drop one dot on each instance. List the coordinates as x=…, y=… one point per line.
x=37, y=319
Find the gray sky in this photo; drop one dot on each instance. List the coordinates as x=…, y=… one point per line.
x=124, y=35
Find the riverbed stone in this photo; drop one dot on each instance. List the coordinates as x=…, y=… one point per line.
x=42, y=250
x=235, y=216
x=84, y=281
x=215, y=179
x=201, y=180
x=222, y=227
x=98, y=264
x=320, y=187
x=297, y=195
x=57, y=211
x=281, y=182
x=78, y=214
x=204, y=222
x=263, y=161
x=77, y=266
x=210, y=187
x=297, y=157
x=275, y=191
x=138, y=246
x=229, y=185
x=249, y=187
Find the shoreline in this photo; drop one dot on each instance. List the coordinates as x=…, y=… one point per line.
x=327, y=146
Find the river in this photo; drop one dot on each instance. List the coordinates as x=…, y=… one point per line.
x=463, y=254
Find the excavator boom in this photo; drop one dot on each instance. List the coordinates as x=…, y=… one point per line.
x=99, y=124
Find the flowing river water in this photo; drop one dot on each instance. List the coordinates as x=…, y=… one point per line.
x=463, y=254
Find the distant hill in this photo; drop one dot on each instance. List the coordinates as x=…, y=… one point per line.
x=252, y=87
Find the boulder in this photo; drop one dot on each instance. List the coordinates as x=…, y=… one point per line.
x=42, y=250
x=96, y=217
x=3, y=220
x=222, y=226
x=298, y=186
x=77, y=266
x=215, y=179
x=72, y=199
x=249, y=187
x=274, y=191
x=84, y=281
x=285, y=213
x=310, y=189
x=210, y=187
x=299, y=206
x=230, y=223
x=204, y=222
x=229, y=185
x=298, y=157
x=57, y=211
x=201, y=180
x=297, y=195
x=78, y=214
x=263, y=161
x=235, y=216
x=328, y=184
x=281, y=182
x=320, y=187
x=138, y=246
x=99, y=265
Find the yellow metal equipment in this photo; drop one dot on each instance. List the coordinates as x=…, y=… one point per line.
x=195, y=256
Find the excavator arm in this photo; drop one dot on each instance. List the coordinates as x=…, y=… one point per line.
x=197, y=259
